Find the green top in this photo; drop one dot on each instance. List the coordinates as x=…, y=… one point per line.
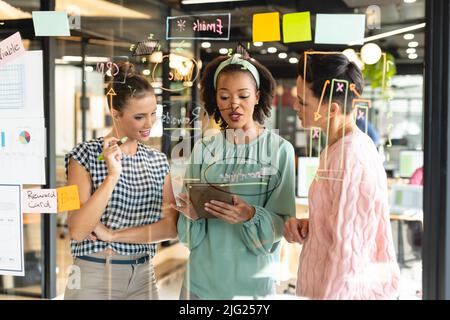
x=238, y=260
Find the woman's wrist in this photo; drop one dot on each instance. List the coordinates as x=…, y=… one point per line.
x=252, y=213
x=112, y=178
x=112, y=236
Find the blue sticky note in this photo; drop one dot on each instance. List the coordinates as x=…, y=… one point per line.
x=340, y=29
x=51, y=23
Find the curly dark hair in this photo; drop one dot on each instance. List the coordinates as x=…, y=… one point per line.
x=266, y=89
x=322, y=67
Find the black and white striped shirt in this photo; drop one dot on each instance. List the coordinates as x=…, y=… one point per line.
x=136, y=199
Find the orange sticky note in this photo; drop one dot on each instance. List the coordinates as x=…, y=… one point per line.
x=266, y=27
x=68, y=198
x=296, y=27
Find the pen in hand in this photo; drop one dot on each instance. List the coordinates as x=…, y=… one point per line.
x=119, y=143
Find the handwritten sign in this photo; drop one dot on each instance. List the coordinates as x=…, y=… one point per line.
x=68, y=198
x=50, y=200
x=183, y=72
x=111, y=69
x=202, y=26
x=11, y=48
x=39, y=201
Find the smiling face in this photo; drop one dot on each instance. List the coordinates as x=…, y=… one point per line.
x=236, y=98
x=137, y=118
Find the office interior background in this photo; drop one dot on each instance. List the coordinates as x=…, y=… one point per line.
x=407, y=88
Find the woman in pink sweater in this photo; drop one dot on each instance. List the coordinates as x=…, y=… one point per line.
x=348, y=252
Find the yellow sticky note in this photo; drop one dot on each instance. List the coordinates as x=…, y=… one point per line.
x=68, y=198
x=266, y=27
x=297, y=27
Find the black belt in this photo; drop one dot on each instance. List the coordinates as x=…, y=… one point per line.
x=140, y=260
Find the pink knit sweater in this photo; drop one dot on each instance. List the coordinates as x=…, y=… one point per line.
x=349, y=252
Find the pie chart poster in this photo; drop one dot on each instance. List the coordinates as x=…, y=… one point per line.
x=24, y=137
x=22, y=141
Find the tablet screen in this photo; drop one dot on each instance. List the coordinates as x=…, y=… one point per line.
x=201, y=193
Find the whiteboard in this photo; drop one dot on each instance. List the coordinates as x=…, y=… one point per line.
x=11, y=231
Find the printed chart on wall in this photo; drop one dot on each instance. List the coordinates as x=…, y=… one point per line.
x=22, y=151
x=22, y=126
x=11, y=231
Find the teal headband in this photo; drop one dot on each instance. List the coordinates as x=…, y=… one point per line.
x=245, y=66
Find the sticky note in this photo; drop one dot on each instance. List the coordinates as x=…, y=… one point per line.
x=297, y=27
x=68, y=198
x=11, y=48
x=39, y=201
x=51, y=23
x=340, y=29
x=266, y=27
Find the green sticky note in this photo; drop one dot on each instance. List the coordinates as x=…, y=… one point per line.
x=297, y=27
x=266, y=27
x=51, y=23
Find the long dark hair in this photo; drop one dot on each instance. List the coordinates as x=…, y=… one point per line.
x=322, y=67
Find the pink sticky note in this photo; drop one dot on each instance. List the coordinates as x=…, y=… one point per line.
x=11, y=48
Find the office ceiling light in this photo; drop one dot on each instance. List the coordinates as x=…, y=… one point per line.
x=411, y=50
x=413, y=44
x=350, y=54
x=390, y=33
x=156, y=57
x=412, y=56
x=271, y=50
x=207, y=1
x=293, y=60
x=99, y=8
x=370, y=53
x=408, y=36
x=409, y=1
x=8, y=12
x=206, y=45
x=257, y=44
x=61, y=61
x=96, y=59
x=72, y=58
x=180, y=44
x=223, y=50
x=353, y=57
x=282, y=55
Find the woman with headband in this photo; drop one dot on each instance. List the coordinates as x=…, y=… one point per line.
x=124, y=188
x=234, y=254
